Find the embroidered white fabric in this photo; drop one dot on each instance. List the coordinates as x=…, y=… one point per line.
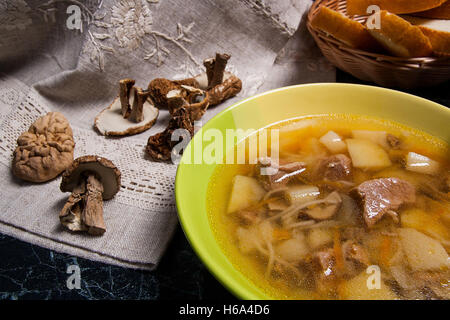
x=47, y=66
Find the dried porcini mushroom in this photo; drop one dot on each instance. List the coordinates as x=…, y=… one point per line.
x=45, y=150
x=194, y=100
x=215, y=69
x=221, y=85
x=230, y=87
x=159, y=147
x=90, y=179
x=187, y=101
x=160, y=87
x=218, y=83
x=131, y=113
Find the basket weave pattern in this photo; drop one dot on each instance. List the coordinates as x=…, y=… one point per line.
x=384, y=70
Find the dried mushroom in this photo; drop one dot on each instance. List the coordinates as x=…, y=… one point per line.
x=160, y=87
x=45, y=150
x=187, y=101
x=90, y=179
x=194, y=100
x=230, y=87
x=131, y=113
x=218, y=83
x=159, y=147
x=328, y=207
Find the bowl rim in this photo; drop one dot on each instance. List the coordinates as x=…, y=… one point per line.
x=226, y=280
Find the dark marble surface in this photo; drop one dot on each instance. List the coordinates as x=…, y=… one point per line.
x=31, y=272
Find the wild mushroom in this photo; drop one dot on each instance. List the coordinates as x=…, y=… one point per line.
x=159, y=146
x=215, y=69
x=159, y=88
x=45, y=150
x=327, y=208
x=131, y=113
x=194, y=100
x=90, y=179
x=220, y=84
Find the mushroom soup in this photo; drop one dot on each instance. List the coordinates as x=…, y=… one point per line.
x=358, y=208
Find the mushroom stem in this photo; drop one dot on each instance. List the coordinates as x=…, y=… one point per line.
x=70, y=215
x=92, y=215
x=125, y=86
x=175, y=101
x=209, y=65
x=219, y=68
x=83, y=210
x=137, y=111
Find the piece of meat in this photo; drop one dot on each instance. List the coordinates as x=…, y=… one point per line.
x=335, y=168
x=355, y=258
x=381, y=196
x=393, y=141
x=324, y=263
x=285, y=172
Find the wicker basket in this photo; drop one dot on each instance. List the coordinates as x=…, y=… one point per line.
x=384, y=70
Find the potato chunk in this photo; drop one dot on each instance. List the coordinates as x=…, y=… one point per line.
x=333, y=142
x=292, y=250
x=319, y=237
x=246, y=191
x=357, y=289
x=422, y=252
x=378, y=137
x=366, y=154
x=248, y=239
x=428, y=223
x=418, y=163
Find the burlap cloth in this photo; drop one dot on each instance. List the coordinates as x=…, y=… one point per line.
x=47, y=66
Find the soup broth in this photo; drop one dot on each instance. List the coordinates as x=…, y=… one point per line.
x=358, y=208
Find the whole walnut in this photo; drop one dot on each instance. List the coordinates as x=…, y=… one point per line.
x=45, y=150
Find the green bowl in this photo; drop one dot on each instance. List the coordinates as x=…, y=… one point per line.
x=275, y=106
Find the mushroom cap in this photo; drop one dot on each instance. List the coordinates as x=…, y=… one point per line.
x=45, y=150
x=106, y=172
x=327, y=209
x=110, y=122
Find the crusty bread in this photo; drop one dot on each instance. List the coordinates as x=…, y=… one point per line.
x=400, y=37
x=349, y=31
x=438, y=31
x=395, y=6
x=441, y=12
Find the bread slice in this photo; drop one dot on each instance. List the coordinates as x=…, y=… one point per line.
x=438, y=31
x=349, y=31
x=395, y=6
x=441, y=12
x=400, y=37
